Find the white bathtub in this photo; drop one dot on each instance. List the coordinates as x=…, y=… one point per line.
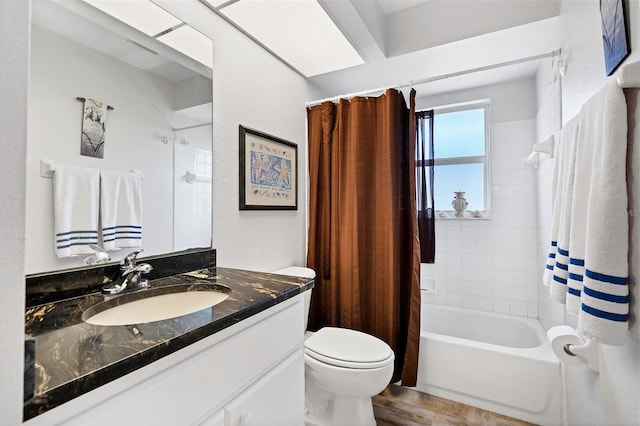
x=496, y=362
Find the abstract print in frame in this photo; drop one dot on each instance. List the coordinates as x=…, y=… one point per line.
x=615, y=38
x=268, y=172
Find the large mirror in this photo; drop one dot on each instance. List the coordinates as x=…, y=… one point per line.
x=159, y=124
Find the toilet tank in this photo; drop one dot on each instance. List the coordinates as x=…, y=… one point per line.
x=300, y=271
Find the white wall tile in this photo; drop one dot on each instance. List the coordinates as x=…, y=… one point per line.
x=453, y=231
x=428, y=297
x=501, y=306
x=454, y=259
x=468, y=246
x=469, y=301
x=518, y=293
x=485, y=289
x=518, y=308
x=440, y=270
x=491, y=264
x=441, y=298
x=454, y=286
x=469, y=274
x=501, y=291
x=485, y=303
x=427, y=270
x=483, y=259
x=454, y=273
x=484, y=275
x=454, y=246
x=469, y=260
x=454, y=300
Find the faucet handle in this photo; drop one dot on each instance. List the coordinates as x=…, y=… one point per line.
x=129, y=261
x=100, y=255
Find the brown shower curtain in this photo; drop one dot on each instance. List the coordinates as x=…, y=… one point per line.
x=363, y=239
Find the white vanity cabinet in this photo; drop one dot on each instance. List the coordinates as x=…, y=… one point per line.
x=251, y=373
x=261, y=403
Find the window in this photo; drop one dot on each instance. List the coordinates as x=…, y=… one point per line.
x=461, y=146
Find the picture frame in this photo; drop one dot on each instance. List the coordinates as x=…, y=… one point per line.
x=268, y=171
x=615, y=38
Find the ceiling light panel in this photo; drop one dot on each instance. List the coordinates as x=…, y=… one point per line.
x=299, y=31
x=140, y=14
x=190, y=42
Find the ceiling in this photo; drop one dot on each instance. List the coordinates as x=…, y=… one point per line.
x=406, y=41
x=403, y=42
x=390, y=6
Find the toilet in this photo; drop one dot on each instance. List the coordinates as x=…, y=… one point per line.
x=343, y=369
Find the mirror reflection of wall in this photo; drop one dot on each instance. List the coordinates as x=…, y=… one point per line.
x=160, y=125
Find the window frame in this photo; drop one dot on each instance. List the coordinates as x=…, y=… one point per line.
x=472, y=159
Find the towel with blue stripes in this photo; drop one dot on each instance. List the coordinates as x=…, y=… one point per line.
x=75, y=203
x=121, y=209
x=587, y=266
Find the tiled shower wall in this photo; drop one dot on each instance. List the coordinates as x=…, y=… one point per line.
x=491, y=264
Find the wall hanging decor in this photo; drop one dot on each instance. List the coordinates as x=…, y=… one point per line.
x=94, y=120
x=615, y=39
x=268, y=172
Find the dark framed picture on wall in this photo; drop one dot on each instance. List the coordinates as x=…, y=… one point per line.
x=614, y=34
x=268, y=172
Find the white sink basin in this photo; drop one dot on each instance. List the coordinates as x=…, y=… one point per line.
x=156, y=308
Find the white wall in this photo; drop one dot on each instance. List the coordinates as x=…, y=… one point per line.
x=491, y=264
x=253, y=89
x=14, y=63
x=613, y=396
x=510, y=101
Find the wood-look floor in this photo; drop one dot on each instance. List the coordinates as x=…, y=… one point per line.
x=398, y=406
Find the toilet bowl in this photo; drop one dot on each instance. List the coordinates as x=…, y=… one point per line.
x=343, y=370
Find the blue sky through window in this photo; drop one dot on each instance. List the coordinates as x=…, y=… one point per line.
x=459, y=133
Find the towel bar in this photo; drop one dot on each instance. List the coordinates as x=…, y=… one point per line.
x=545, y=147
x=48, y=168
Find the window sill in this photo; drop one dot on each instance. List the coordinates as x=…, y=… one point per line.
x=466, y=215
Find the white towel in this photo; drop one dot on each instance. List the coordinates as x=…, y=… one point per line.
x=600, y=216
x=556, y=272
x=75, y=203
x=121, y=209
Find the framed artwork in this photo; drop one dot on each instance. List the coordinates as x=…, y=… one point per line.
x=268, y=172
x=614, y=34
x=94, y=128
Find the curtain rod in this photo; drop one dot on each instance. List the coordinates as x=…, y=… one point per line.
x=436, y=78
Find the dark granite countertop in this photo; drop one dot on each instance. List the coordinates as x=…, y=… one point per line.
x=71, y=357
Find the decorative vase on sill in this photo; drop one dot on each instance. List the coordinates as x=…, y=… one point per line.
x=459, y=203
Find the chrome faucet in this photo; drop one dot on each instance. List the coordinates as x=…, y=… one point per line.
x=131, y=277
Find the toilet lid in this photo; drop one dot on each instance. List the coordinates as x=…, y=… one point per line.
x=348, y=348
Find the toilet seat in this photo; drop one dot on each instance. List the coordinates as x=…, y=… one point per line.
x=341, y=347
